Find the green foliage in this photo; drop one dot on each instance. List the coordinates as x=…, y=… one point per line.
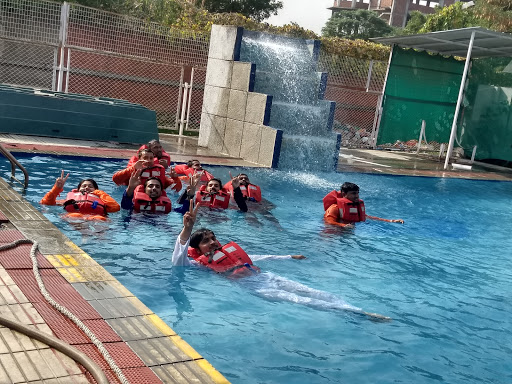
x=256, y=9
x=359, y=24
x=415, y=23
x=496, y=13
x=452, y=17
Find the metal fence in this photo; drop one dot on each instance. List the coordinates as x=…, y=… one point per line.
x=72, y=48
x=356, y=87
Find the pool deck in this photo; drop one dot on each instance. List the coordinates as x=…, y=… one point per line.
x=143, y=346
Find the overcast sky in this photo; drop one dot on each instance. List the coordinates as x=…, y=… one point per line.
x=310, y=14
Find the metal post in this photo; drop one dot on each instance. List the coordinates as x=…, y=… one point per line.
x=422, y=134
x=376, y=122
x=190, y=97
x=67, y=71
x=183, y=108
x=64, y=15
x=54, y=74
x=369, y=78
x=473, y=155
x=179, y=99
x=459, y=102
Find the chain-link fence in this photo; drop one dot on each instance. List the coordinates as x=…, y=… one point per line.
x=356, y=87
x=72, y=48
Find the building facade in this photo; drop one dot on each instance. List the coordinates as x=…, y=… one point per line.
x=395, y=12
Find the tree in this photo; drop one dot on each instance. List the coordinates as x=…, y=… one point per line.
x=255, y=9
x=415, y=23
x=359, y=24
x=452, y=17
x=497, y=13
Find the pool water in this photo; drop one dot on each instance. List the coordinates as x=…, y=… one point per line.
x=445, y=277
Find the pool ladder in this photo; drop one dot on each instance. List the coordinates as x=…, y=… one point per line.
x=14, y=164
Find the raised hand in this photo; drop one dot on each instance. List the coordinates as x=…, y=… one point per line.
x=235, y=181
x=189, y=218
x=163, y=163
x=172, y=172
x=59, y=183
x=134, y=181
x=140, y=164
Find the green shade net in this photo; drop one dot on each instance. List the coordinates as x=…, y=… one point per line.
x=420, y=86
x=487, y=113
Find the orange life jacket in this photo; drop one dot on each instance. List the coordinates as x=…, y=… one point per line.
x=350, y=211
x=218, y=200
x=87, y=204
x=231, y=258
x=156, y=170
x=331, y=198
x=183, y=169
x=143, y=203
x=251, y=192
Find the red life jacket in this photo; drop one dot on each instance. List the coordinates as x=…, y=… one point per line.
x=135, y=158
x=87, y=204
x=143, y=203
x=230, y=258
x=157, y=171
x=351, y=212
x=183, y=169
x=251, y=192
x=331, y=198
x=219, y=200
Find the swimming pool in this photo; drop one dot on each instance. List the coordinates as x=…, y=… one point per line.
x=444, y=277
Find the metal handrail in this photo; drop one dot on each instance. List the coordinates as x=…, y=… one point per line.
x=14, y=163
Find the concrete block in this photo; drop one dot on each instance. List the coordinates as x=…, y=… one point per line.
x=215, y=100
x=242, y=76
x=204, y=129
x=217, y=129
x=237, y=104
x=219, y=73
x=225, y=42
x=267, y=146
x=251, y=141
x=233, y=136
x=258, y=108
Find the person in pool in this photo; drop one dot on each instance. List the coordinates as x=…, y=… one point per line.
x=213, y=196
x=149, y=168
x=148, y=196
x=344, y=208
x=203, y=248
x=86, y=201
x=161, y=157
x=190, y=169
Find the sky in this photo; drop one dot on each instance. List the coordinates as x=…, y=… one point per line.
x=309, y=14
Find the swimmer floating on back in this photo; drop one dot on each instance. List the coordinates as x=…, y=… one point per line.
x=232, y=261
x=86, y=201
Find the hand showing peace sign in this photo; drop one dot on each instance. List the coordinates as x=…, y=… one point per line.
x=59, y=183
x=189, y=218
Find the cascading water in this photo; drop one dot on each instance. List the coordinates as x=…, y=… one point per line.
x=286, y=69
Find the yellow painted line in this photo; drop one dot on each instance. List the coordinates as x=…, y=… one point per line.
x=212, y=372
x=160, y=324
x=185, y=347
x=72, y=275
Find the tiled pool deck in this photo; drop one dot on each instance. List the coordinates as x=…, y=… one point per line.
x=143, y=346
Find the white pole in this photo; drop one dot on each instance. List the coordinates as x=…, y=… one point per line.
x=64, y=14
x=369, y=78
x=54, y=74
x=459, y=101
x=183, y=109
x=179, y=99
x=190, y=97
x=473, y=154
x=376, y=125
x=422, y=133
x=67, y=71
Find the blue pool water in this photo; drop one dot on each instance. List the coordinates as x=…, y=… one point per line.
x=445, y=277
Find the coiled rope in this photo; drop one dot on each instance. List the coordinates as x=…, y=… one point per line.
x=65, y=311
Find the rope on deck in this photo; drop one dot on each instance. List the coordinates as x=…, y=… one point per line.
x=64, y=310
